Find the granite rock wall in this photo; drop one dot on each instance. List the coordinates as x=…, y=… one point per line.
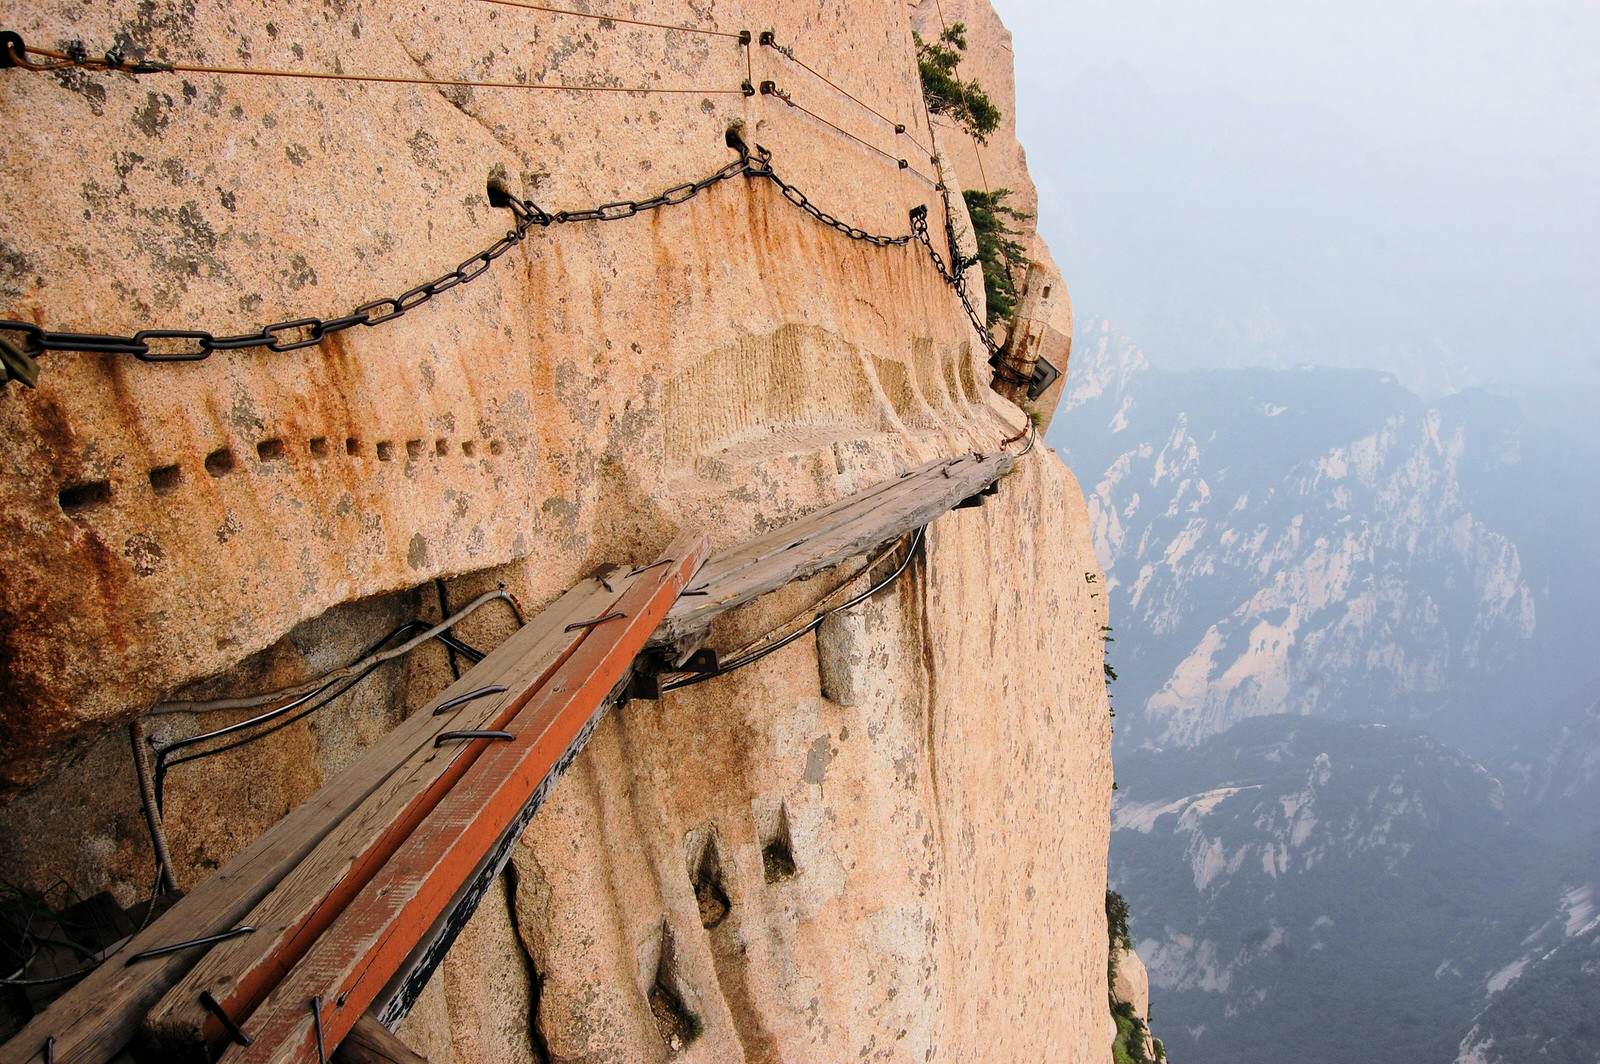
x=886, y=842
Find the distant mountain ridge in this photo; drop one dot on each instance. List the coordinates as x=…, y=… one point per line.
x=1358, y=722
x=1325, y=886
x=1320, y=542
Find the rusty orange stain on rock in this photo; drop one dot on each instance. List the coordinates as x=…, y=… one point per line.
x=85, y=646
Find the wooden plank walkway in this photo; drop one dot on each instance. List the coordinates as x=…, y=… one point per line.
x=238, y=974
x=356, y=896
x=822, y=539
x=97, y=1018
x=352, y=962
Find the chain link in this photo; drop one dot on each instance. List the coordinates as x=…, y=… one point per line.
x=760, y=165
x=22, y=341
x=956, y=279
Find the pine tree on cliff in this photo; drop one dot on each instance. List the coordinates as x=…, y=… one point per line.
x=964, y=102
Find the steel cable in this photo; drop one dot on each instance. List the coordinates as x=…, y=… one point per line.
x=742, y=37
x=112, y=62
x=768, y=39
x=312, y=686
x=749, y=657
x=769, y=88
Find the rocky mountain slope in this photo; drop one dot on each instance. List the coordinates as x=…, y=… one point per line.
x=1551, y=767
x=1543, y=1003
x=1323, y=542
x=1325, y=890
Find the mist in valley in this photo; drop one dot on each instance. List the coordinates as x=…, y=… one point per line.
x=1334, y=272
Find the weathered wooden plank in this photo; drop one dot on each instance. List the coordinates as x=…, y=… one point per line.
x=94, y=1020
x=238, y=974
x=853, y=531
x=370, y=1042
x=350, y=964
x=684, y=630
x=855, y=526
x=725, y=563
x=395, y=1002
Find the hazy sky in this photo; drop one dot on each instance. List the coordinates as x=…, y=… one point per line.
x=1403, y=185
x=1516, y=76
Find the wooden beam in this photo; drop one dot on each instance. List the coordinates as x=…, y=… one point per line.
x=350, y=964
x=94, y=1020
x=852, y=526
x=370, y=1042
x=237, y=975
x=395, y=1002
x=724, y=563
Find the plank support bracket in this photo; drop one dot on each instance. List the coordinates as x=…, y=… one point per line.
x=645, y=683
x=207, y=940
x=1044, y=375
x=471, y=696
x=580, y=625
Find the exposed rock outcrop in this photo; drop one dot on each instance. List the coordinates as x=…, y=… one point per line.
x=898, y=855
x=1132, y=988
x=1133, y=983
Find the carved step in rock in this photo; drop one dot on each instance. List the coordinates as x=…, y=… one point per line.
x=706, y=876
x=777, y=848
x=677, y=1022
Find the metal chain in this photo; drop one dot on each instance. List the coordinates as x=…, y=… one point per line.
x=760, y=165
x=955, y=279
x=192, y=345
x=22, y=341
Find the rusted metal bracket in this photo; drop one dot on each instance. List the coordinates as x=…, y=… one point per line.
x=645, y=683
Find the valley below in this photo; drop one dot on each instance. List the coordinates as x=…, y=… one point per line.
x=1357, y=732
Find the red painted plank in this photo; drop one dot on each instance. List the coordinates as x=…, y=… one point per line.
x=93, y=1021
x=350, y=964
x=238, y=975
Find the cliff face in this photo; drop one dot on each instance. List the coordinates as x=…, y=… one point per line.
x=935, y=765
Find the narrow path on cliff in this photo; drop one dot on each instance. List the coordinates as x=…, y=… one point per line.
x=330, y=924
